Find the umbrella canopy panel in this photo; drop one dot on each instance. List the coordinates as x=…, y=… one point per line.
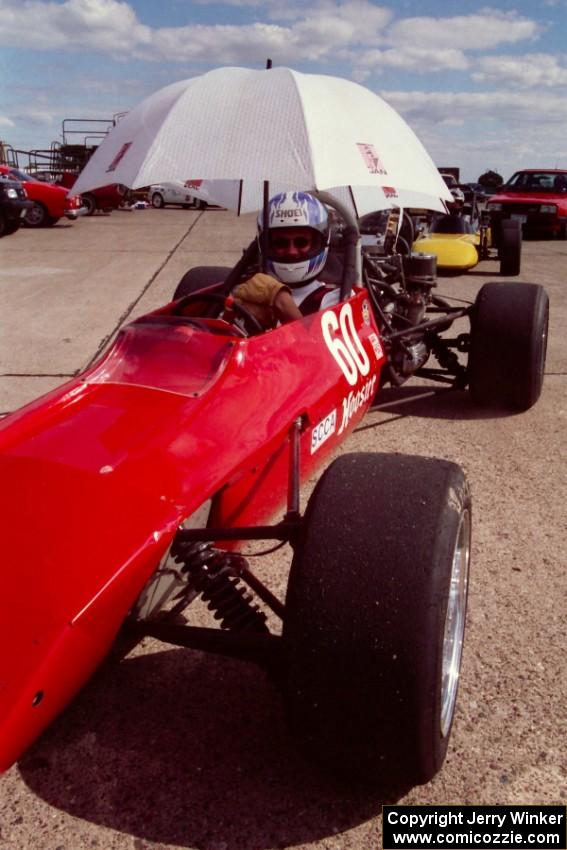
x=299, y=131
x=243, y=197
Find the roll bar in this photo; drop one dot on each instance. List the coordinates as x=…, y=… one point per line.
x=352, y=271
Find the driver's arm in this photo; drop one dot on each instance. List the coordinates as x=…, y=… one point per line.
x=268, y=300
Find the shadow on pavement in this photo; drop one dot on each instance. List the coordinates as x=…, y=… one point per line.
x=428, y=403
x=186, y=749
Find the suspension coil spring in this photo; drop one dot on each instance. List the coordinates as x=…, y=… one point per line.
x=214, y=574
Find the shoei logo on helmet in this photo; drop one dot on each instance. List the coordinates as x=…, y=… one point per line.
x=293, y=208
x=390, y=192
x=286, y=215
x=371, y=158
x=119, y=156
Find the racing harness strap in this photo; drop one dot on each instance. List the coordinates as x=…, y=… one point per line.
x=312, y=303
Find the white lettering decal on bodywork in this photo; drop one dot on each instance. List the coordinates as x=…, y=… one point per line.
x=323, y=430
x=355, y=400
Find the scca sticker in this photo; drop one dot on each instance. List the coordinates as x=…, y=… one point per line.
x=323, y=430
x=348, y=352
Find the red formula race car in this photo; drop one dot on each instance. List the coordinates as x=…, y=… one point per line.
x=144, y=477
x=49, y=202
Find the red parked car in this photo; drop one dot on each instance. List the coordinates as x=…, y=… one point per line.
x=105, y=198
x=50, y=202
x=537, y=198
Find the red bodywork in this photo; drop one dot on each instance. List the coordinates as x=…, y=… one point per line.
x=56, y=199
x=542, y=209
x=98, y=475
x=106, y=197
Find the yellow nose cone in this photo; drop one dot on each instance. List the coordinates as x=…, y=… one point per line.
x=453, y=250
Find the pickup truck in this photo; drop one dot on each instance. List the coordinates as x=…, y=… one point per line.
x=13, y=205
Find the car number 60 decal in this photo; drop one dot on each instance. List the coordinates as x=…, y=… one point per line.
x=348, y=351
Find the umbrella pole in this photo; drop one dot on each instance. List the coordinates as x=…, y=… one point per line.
x=265, y=225
x=265, y=216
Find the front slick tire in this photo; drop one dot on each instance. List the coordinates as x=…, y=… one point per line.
x=375, y=617
x=509, y=325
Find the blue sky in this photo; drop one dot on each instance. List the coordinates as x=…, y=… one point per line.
x=482, y=86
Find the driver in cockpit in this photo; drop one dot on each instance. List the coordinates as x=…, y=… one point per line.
x=298, y=247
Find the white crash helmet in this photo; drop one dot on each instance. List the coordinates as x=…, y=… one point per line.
x=297, y=209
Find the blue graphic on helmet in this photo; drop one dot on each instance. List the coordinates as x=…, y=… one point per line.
x=299, y=209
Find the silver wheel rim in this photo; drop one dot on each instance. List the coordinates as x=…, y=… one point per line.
x=35, y=215
x=543, y=349
x=455, y=623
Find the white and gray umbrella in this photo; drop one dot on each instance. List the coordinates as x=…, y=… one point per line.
x=236, y=128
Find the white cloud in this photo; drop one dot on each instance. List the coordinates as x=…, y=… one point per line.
x=319, y=33
x=483, y=30
x=365, y=18
x=501, y=130
x=6, y=122
x=410, y=58
x=362, y=20
x=112, y=26
x=535, y=69
x=104, y=25
x=35, y=117
x=507, y=108
x=227, y=43
x=356, y=30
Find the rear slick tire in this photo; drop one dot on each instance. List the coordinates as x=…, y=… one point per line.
x=510, y=248
x=375, y=618
x=509, y=326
